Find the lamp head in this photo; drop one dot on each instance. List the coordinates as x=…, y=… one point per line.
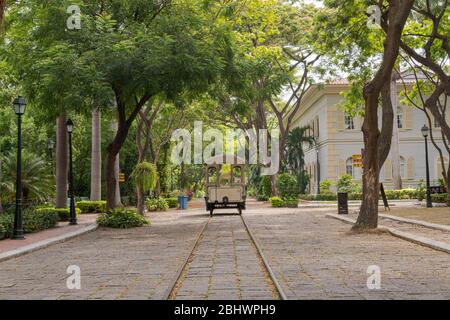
x=425, y=131
x=69, y=125
x=19, y=105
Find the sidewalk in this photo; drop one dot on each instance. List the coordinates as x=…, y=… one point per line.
x=34, y=241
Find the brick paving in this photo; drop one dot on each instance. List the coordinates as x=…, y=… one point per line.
x=61, y=229
x=314, y=257
x=115, y=264
x=225, y=265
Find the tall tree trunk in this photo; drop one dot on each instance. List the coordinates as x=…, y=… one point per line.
x=2, y=11
x=96, y=157
x=118, y=200
x=376, y=145
x=395, y=153
x=140, y=201
x=61, y=162
x=1, y=207
x=113, y=169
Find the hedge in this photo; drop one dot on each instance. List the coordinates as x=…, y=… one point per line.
x=33, y=221
x=390, y=195
x=121, y=219
x=172, y=202
x=441, y=198
x=63, y=213
x=156, y=204
x=92, y=206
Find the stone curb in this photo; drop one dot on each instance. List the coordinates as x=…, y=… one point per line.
x=45, y=243
x=418, y=222
x=426, y=242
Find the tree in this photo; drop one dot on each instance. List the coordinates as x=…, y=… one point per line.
x=145, y=177
x=96, y=156
x=37, y=182
x=294, y=153
x=377, y=144
x=427, y=52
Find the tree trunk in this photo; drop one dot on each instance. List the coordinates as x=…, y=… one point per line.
x=96, y=157
x=377, y=145
x=140, y=201
x=112, y=168
x=2, y=11
x=61, y=162
x=1, y=207
x=118, y=200
x=395, y=153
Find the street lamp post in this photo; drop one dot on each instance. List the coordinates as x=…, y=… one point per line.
x=19, y=108
x=425, y=130
x=73, y=216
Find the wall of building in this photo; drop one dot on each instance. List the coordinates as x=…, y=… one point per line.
x=337, y=144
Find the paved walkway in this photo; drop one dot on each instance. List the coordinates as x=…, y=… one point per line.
x=115, y=264
x=62, y=228
x=315, y=257
x=225, y=265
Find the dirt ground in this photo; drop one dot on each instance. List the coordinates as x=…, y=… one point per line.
x=440, y=215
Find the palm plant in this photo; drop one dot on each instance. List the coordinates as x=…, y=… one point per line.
x=295, y=156
x=37, y=182
x=145, y=176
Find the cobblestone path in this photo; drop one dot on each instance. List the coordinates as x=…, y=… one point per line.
x=225, y=265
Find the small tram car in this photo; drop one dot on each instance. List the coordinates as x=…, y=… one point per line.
x=225, y=186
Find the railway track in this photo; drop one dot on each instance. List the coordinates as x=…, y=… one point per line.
x=200, y=243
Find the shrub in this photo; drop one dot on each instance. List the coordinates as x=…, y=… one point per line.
x=346, y=184
x=440, y=198
x=264, y=189
x=355, y=196
x=276, y=202
x=326, y=197
x=172, y=202
x=421, y=190
x=7, y=223
x=129, y=201
x=34, y=220
x=2, y=232
x=287, y=186
x=121, y=219
x=63, y=213
x=157, y=204
x=303, y=181
x=260, y=197
x=92, y=206
x=325, y=186
x=291, y=202
x=199, y=194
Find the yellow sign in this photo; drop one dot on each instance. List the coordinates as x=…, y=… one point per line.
x=121, y=177
x=357, y=161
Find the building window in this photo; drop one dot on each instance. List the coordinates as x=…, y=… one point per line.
x=349, y=123
x=399, y=118
x=349, y=166
x=402, y=167
x=436, y=123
